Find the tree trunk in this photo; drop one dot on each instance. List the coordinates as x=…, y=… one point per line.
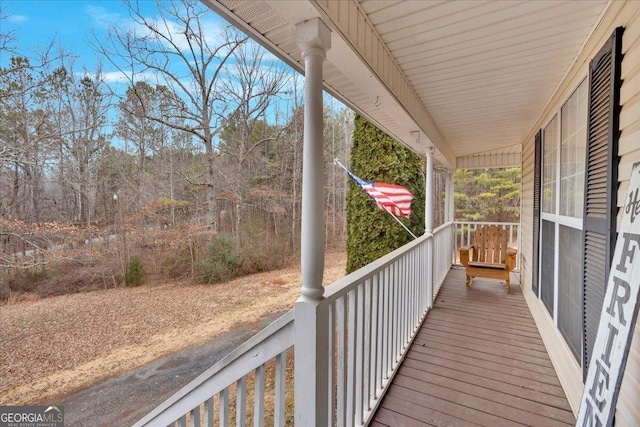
x=212, y=205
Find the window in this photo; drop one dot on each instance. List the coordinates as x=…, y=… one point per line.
x=575, y=205
x=563, y=158
x=574, y=139
x=550, y=166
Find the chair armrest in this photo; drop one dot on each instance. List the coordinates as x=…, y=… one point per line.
x=511, y=259
x=464, y=254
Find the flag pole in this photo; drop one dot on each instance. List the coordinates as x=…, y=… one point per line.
x=337, y=162
x=403, y=226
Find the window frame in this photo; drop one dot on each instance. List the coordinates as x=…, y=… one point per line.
x=576, y=223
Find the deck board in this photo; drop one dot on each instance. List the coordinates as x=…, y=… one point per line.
x=478, y=359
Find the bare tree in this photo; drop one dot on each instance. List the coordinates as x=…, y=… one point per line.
x=7, y=37
x=24, y=138
x=253, y=86
x=79, y=108
x=337, y=135
x=178, y=50
x=140, y=134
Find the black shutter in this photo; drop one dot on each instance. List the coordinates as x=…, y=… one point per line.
x=601, y=182
x=535, y=255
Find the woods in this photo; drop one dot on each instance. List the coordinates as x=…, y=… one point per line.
x=199, y=133
x=186, y=161
x=488, y=195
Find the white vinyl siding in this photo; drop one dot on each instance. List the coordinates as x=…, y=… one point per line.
x=628, y=412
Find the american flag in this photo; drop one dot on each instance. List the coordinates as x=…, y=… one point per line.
x=392, y=198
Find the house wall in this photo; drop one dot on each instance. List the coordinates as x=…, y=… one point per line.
x=619, y=13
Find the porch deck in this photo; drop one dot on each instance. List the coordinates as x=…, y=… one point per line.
x=477, y=360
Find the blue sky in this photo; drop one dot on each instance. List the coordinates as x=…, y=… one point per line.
x=35, y=23
x=75, y=24
x=71, y=23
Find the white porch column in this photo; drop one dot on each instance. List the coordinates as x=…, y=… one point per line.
x=447, y=198
x=450, y=195
x=449, y=209
x=311, y=313
x=428, y=200
x=428, y=223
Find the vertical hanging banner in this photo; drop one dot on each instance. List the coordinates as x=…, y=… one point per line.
x=618, y=318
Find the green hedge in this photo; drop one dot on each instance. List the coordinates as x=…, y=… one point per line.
x=372, y=232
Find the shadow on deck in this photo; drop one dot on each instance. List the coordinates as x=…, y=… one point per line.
x=478, y=359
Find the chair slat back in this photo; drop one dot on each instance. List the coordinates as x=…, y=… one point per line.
x=490, y=245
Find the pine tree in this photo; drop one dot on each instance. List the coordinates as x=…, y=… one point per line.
x=488, y=195
x=371, y=232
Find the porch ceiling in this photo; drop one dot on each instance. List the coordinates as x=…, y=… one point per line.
x=471, y=76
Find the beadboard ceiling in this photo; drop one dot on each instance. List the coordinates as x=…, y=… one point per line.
x=482, y=71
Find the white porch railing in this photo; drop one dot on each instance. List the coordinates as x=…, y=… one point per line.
x=464, y=235
x=374, y=314
x=198, y=402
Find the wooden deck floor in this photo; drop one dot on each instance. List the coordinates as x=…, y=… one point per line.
x=477, y=360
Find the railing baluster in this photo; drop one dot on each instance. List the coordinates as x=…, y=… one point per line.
x=351, y=356
x=280, y=390
x=194, y=416
x=375, y=335
x=208, y=412
x=397, y=310
x=241, y=401
x=421, y=281
x=405, y=286
x=400, y=310
x=393, y=322
x=342, y=362
x=359, y=368
x=411, y=318
x=224, y=407
x=332, y=363
x=258, y=405
x=366, y=366
x=408, y=283
x=416, y=289
x=386, y=312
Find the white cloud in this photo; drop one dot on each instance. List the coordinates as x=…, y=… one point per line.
x=17, y=19
x=114, y=77
x=101, y=17
x=121, y=77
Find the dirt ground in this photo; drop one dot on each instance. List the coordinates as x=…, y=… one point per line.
x=53, y=347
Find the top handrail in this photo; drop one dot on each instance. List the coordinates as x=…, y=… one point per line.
x=485, y=222
x=340, y=287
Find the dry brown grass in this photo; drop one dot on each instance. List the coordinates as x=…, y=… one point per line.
x=54, y=346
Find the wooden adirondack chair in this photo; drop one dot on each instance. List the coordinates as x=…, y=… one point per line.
x=489, y=255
